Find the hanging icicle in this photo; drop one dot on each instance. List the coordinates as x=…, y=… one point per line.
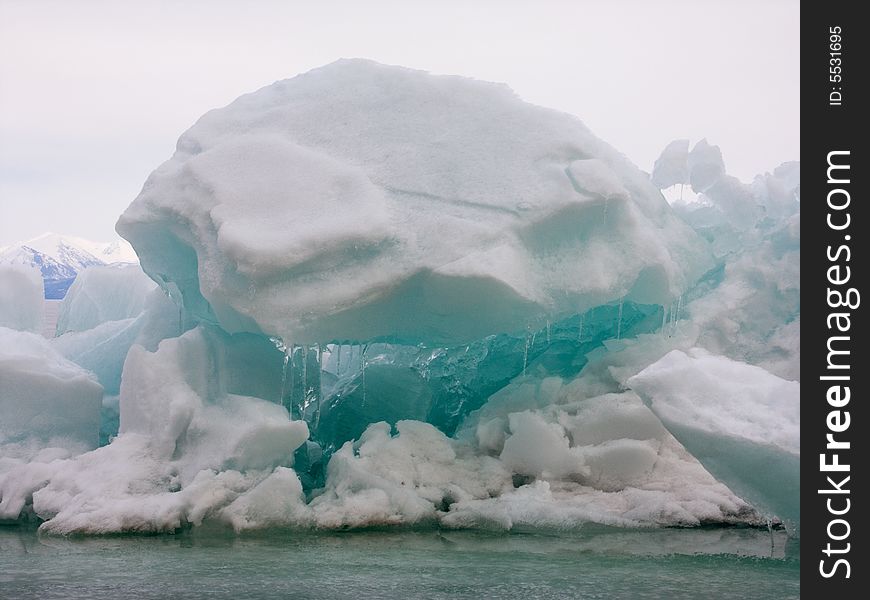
x=363, y=364
x=318, y=396
x=526, y=354
x=291, y=400
x=677, y=315
x=284, y=374
x=664, y=319
x=619, y=321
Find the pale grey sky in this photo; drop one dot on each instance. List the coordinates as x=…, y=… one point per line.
x=94, y=94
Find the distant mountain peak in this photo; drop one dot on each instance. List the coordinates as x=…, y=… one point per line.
x=60, y=257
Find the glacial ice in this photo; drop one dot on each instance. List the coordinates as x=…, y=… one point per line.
x=102, y=348
x=49, y=408
x=740, y=421
x=360, y=202
x=671, y=167
x=748, y=306
x=101, y=294
x=138, y=313
x=189, y=443
x=21, y=298
x=391, y=298
x=442, y=385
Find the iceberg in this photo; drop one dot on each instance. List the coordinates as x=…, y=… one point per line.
x=187, y=446
x=748, y=306
x=671, y=167
x=21, y=298
x=391, y=298
x=108, y=310
x=44, y=396
x=740, y=421
x=49, y=410
x=364, y=202
x=103, y=293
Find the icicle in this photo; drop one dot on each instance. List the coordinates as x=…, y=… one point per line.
x=580, y=329
x=677, y=315
x=363, y=363
x=664, y=318
x=534, y=335
x=337, y=360
x=619, y=321
x=548, y=332
x=291, y=402
x=319, y=393
x=770, y=532
x=282, y=347
x=284, y=373
x=526, y=355
x=303, y=401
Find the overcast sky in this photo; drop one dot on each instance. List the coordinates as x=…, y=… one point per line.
x=93, y=95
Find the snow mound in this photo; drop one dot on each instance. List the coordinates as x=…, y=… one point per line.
x=360, y=201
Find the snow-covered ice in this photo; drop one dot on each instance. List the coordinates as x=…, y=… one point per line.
x=359, y=201
x=740, y=421
x=392, y=298
x=101, y=294
x=48, y=406
x=21, y=296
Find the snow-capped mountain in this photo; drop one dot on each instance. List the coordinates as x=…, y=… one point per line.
x=61, y=257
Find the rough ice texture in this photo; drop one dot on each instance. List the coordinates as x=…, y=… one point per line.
x=384, y=223
x=360, y=201
x=671, y=166
x=103, y=348
x=740, y=421
x=753, y=313
x=49, y=408
x=21, y=296
x=194, y=444
x=748, y=307
x=101, y=294
x=187, y=444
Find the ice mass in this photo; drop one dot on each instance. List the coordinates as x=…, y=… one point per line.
x=371, y=296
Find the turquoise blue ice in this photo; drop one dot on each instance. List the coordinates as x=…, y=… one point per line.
x=374, y=297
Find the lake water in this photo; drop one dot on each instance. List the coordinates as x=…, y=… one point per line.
x=596, y=563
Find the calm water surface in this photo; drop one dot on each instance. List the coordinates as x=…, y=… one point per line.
x=602, y=563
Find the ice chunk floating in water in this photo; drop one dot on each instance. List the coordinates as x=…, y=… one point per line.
x=392, y=298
